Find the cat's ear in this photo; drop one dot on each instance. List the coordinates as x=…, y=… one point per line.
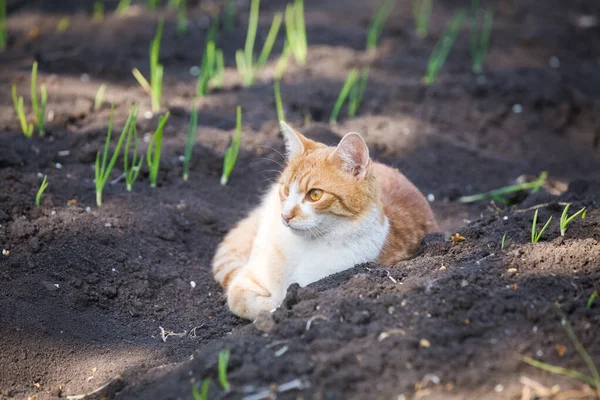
x=294, y=140
x=354, y=155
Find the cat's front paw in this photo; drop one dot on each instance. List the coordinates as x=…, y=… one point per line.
x=247, y=297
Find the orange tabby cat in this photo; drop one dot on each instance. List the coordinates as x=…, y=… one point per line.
x=331, y=209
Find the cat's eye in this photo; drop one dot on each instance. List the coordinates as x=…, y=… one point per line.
x=286, y=191
x=314, y=194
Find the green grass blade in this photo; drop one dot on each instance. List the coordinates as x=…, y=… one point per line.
x=443, y=47
x=107, y=142
x=301, y=33
x=18, y=103
x=378, y=22
x=244, y=71
x=142, y=81
x=3, y=34
x=113, y=159
x=223, y=361
x=40, y=192
x=357, y=92
x=156, y=70
x=592, y=299
x=152, y=4
x=219, y=72
x=99, y=99
x=251, y=35
x=544, y=228
x=189, y=145
x=350, y=81
x=131, y=133
x=270, y=41
x=182, y=23
x=559, y=370
x=233, y=150
x=34, y=97
x=278, y=102
x=229, y=15
x=207, y=69
x=123, y=6
x=155, y=148
x=422, y=13
x=98, y=13
x=42, y=116
x=535, y=185
x=504, y=240
x=204, y=395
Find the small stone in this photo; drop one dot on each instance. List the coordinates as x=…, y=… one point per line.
x=554, y=62
x=192, y=284
x=499, y=388
x=264, y=322
x=517, y=109
x=431, y=197
x=424, y=343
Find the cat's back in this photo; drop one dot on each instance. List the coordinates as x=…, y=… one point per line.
x=408, y=212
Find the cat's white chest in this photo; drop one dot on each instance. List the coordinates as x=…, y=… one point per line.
x=309, y=260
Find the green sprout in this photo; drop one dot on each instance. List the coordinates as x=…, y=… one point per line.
x=378, y=22
x=535, y=236
x=295, y=30
x=505, y=239
x=204, y=395
x=223, y=361
x=123, y=6
x=152, y=4
x=63, y=24
x=229, y=15
x=3, y=34
x=480, y=35
x=534, y=186
x=182, y=23
x=154, y=88
x=39, y=106
x=565, y=220
x=233, y=149
x=592, y=299
x=282, y=62
x=189, y=144
x=102, y=170
x=98, y=13
x=442, y=48
x=593, y=380
x=207, y=69
x=26, y=128
x=278, y=102
x=132, y=170
x=357, y=92
x=350, y=81
x=422, y=11
x=219, y=72
x=40, y=192
x=244, y=60
x=99, y=99
x=154, y=150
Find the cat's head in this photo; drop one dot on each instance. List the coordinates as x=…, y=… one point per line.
x=324, y=188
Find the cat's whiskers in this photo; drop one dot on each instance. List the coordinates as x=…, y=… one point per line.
x=275, y=161
x=275, y=150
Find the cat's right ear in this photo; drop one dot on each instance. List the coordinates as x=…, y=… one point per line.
x=293, y=140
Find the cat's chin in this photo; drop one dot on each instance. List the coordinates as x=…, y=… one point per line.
x=303, y=231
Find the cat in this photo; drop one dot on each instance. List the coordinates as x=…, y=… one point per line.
x=331, y=209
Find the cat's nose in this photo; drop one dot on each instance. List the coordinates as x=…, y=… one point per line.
x=287, y=217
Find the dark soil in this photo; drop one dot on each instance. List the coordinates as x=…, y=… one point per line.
x=85, y=290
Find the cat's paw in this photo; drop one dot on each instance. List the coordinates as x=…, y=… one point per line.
x=247, y=297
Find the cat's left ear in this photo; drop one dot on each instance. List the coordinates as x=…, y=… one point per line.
x=295, y=142
x=354, y=154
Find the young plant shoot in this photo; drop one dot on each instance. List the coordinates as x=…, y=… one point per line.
x=357, y=92
x=132, y=170
x=229, y=12
x=480, y=35
x=496, y=193
x=38, y=106
x=219, y=72
x=98, y=13
x=378, y=22
x=3, y=34
x=189, y=144
x=154, y=150
x=535, y=236
x=422, y=12
x=154, y=88
x=565, y=220
x=592, y=299
x=99, y=99
x=152, y=4
x=278, y=102
x=103, y=170
x=207, y=69
x=201, y=395
x=182, y=23
x=40, y=192
x=223, y=361
x=442, y=48
x=26, y=128
x=123, y=6
x=505, y=240
x=233, y=149
x=246, y=65
x=295, y=29
x=348, y=85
